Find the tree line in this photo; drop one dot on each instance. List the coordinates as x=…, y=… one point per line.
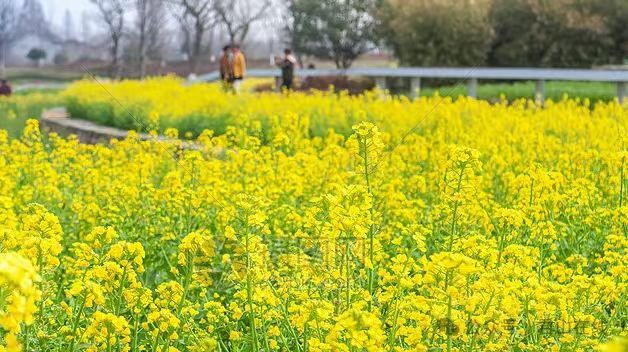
x=194, y=19
x=135, y=30
x=538, y=33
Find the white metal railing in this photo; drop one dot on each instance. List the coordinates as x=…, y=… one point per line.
x=471, y=75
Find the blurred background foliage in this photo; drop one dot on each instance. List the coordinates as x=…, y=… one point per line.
x=527, y=33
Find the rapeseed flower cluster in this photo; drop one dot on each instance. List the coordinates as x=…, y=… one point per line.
x=484, y=227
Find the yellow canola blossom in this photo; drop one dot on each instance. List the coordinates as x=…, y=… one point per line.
x=321, y=222
x=19, y=297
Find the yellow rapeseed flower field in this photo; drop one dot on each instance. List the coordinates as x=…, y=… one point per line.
x=316, y=222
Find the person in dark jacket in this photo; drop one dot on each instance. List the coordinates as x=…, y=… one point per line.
x=287, y=64
x=5, y=88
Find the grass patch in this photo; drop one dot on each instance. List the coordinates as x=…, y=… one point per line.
x=554, y=90
x=15, y=110
x=25, y=74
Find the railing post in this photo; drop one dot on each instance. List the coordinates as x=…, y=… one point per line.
x=380, y=82
x=539, y=92
x=622, y=91
x=415, y=87
x=472, y=87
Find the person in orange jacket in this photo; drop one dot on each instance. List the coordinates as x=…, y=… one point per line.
x=238, y=67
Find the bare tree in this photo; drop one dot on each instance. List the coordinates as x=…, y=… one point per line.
x=158, y=33
x=202, y=16
x=238, y=15
x=185, y=27
x=9, y=33
x=150, y=21
x=112, y=13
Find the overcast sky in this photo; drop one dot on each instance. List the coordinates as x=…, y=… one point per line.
x=56, y=8
x=55, y=13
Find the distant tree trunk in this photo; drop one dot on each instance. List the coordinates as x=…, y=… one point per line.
x=112, y=13
x=115, y=47
x=116, y=68
x=186, y=32
x=204, y=18
x=3, y=66
x=150, y=20
x=232, y=36
x=142, y=13
x=199, y=32
x=142, y=56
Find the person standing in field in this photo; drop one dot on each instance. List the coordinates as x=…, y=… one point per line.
x=238, y=67
x=5, y=88
x=226, y=71
x=287, y=65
